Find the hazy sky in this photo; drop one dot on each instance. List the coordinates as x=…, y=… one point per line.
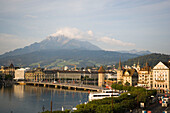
x=109, y=24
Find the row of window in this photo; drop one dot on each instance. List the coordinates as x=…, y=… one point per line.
x=160, y=75
x=145, y=78
x=160, y=72
x=160, y=78
x=163, y=86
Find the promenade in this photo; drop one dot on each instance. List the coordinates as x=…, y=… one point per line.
x=70, y=86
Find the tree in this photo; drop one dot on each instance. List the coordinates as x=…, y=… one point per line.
x=104, y=109
x=127, y=83
x=120, y=82
x=8, y=77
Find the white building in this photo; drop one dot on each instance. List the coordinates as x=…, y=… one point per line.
x=20, y=73
x=161, y=76
x=111, y=75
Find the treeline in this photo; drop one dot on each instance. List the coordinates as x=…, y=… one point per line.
x=125, y=102
x=152, y=59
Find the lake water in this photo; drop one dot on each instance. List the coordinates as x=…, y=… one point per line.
x=31, y=99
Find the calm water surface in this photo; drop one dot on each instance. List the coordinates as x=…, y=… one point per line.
x=30, y=99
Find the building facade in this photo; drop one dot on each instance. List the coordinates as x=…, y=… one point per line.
x=46, y=75
x=161, y=77
x=145, y=77
x=130, y=77
x=9, y=70
x=20, y=73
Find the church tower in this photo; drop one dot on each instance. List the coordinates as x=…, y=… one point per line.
x=119, y=72
x=101, y=72
x=138, y=67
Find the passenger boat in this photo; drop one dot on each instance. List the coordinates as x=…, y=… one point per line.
x=103, y=94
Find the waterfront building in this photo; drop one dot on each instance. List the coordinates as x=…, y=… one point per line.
x=145, y=77
x=20, y=73
x=51, y=75
x=36, y=74
x=69, y=75
x=89, y=74
x=161, y=76
x=101, y=76
x=8, y=70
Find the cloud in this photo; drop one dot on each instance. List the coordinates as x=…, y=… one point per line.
x=73, y=33
x=30, y=16
x=90, y=33
x=109, y=40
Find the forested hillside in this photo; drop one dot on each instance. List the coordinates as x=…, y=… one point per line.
x=152, y=59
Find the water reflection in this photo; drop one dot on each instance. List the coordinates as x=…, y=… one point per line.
x=30, y=99
x=19, y=91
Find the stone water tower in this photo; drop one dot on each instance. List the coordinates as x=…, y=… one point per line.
x=101, y=73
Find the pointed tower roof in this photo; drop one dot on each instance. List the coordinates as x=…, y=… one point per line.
x=138, y=63
x=120, y=66
x=11, y=66
x=147, y=64
x=101, y=70
x=39, y=66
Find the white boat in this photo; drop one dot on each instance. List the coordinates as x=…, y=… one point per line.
x=108, y=91
x=103, y=94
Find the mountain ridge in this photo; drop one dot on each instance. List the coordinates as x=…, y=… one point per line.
x=151, y=59
x=59, y=58
x=134, y=51
x=58, y=42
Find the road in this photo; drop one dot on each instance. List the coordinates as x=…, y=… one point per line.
x=157, y=108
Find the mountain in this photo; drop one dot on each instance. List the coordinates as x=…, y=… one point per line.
x=55, y=43
x=141, y=53
x=58, y=51
x=152, y=59
x=58, y=58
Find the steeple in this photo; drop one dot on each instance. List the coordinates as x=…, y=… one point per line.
x=138, y=66
x=147, y=64
x=138, y=63
x=39, y=66
x=11, y=65
x=120, y=66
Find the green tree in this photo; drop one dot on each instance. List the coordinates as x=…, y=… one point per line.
x=127, y=84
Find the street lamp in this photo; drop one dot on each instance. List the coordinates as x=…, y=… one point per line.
x=112, y=98
x=130, y=109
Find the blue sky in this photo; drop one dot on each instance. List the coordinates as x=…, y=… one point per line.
x=109, y=24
